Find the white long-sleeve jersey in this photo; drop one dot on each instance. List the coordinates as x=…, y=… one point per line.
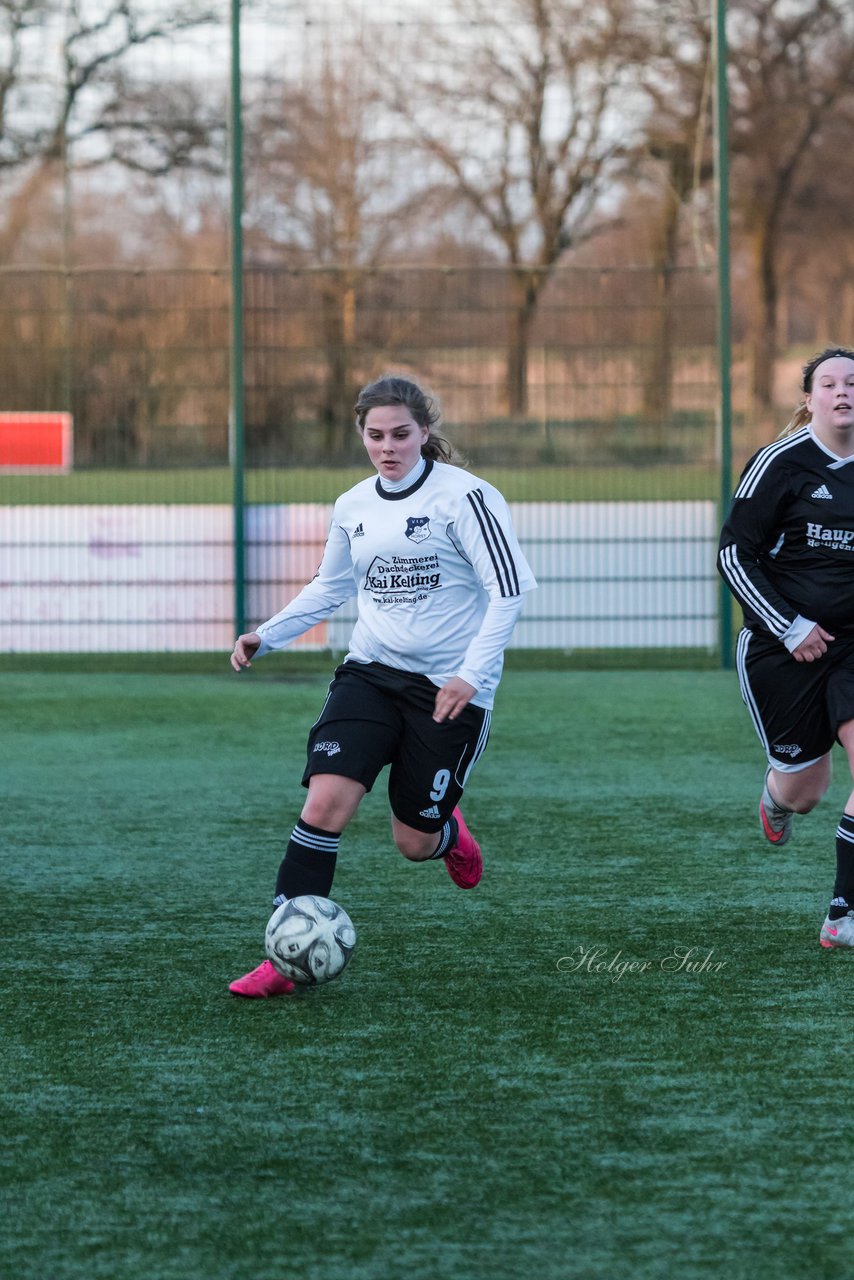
x=438, y=575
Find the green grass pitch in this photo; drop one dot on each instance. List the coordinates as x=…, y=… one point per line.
x=324, y=484
x=474, y=1098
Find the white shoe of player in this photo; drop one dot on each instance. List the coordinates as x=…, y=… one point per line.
x=838, y=933
x=776, y=821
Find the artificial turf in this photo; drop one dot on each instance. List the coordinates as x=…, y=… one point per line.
x=480, y=1095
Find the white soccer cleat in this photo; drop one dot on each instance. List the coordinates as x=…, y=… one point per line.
x=838, y=933
x=776, y=821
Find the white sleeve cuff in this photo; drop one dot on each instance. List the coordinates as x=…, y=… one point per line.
x=797, y=633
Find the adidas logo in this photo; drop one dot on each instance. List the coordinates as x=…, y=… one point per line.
x=359, y=532
x=432, y=812
x=821, y=492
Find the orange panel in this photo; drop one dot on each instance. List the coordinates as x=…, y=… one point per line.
x=35, y=441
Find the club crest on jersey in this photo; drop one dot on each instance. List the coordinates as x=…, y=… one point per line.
x=417, y=528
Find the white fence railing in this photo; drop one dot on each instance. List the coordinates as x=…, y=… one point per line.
x=160, y=577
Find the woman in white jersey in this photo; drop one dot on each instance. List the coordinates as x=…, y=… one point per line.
x=430, y=554
x=787, y=554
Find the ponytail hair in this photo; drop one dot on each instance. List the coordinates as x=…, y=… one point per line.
x=393, y=390
x=799, y=419
x=802, y=415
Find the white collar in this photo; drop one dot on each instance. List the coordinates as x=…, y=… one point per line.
x=395, y=486
x=837, y=460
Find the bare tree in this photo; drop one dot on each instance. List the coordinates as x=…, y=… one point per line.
x=676, y=162
x=44, y=112
x=158, y=129
x=818, y=262
x=523, y=111
x=791, y=82
x=791, y=79
x=322, y=194
x=19, y=20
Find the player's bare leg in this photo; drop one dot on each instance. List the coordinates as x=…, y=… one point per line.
x=332, y=801
x=308, y=865
x=454, y=844
x=785, y=794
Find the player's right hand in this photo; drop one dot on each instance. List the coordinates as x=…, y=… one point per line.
x=245, y=648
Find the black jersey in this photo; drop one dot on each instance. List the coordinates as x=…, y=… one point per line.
x=787, y=546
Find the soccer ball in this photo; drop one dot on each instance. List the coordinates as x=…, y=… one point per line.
x=309, y=940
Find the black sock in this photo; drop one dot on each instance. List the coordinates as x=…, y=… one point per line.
x=843, y=890
x=447, y=839
x=309, y=862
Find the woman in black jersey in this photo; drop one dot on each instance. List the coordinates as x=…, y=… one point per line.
x=787, y=554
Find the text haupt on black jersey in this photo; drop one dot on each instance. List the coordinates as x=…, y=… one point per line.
x=819, y=535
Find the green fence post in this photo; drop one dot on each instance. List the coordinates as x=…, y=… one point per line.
x=236, y=410
x=721, y=162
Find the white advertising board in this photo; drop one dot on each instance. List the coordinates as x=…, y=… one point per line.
x=161, y=577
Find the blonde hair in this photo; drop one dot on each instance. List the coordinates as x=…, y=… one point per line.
x=799, y=419
x=802, y=415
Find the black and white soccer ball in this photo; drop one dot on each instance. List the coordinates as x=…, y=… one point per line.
x=309, y=940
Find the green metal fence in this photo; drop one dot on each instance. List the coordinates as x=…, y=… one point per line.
x=606, y=446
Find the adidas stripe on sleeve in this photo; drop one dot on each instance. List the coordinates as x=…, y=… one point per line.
x=495, y=540
x=753, y=534
x=485, y=534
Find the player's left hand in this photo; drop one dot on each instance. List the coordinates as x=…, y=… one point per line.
x=815, y=645
x=452, y=698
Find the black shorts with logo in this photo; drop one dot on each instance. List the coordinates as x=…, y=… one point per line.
x=796, y=707
x=375, y=716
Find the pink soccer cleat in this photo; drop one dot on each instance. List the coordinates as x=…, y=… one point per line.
x=262, y=983
x=464, y=863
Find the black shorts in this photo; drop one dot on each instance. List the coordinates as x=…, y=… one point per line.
x=373, y=716
x=796, y=707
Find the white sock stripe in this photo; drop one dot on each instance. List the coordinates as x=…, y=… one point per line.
x=326, y=844
x=847, y=836
x=444, y=841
